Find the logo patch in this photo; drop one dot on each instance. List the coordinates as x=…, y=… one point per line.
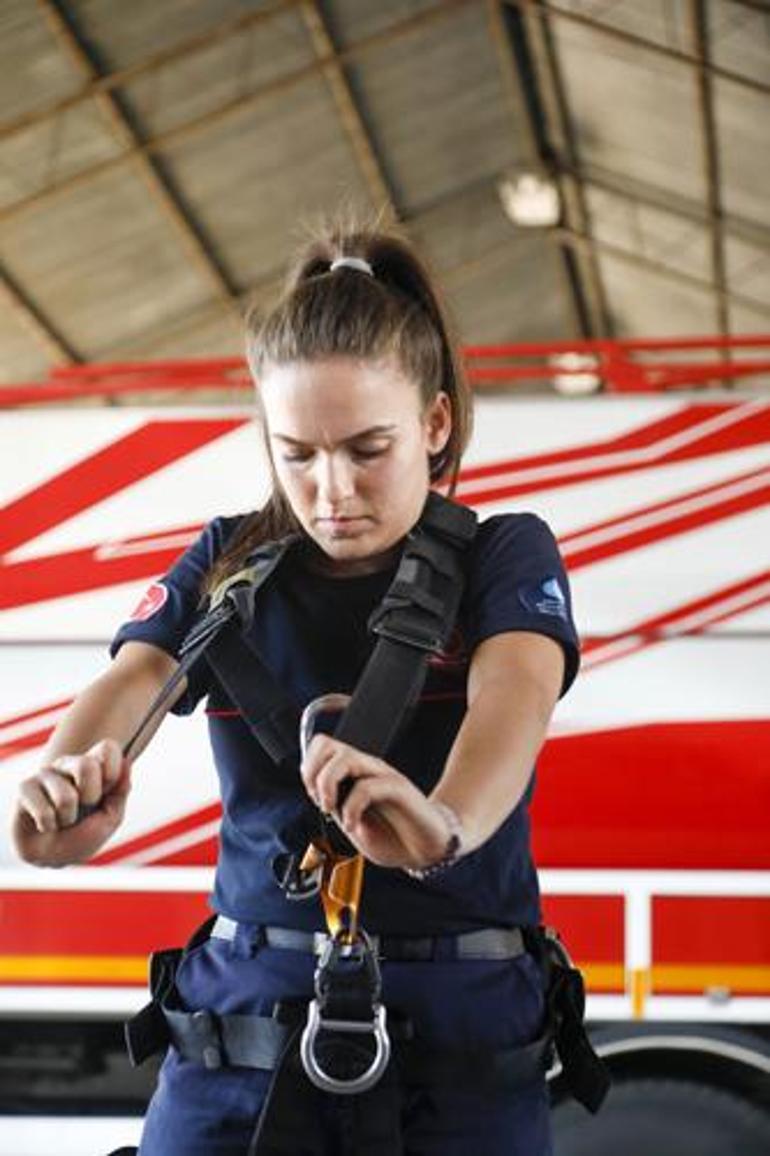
x=153, y=600
x=546, y=597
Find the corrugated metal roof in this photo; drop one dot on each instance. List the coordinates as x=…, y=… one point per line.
x=158, y=158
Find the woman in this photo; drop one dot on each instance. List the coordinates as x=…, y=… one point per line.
x=364, y=411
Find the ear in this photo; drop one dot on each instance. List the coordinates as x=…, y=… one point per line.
x=438, y=422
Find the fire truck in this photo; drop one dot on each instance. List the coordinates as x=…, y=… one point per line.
x=650, y=816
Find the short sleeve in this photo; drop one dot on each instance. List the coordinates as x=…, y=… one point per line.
x=170, y=605
x=517, y=581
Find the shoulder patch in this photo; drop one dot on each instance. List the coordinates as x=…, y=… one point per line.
x=153, y=600
x=544, y=597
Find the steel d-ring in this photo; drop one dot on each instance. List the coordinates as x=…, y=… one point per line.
x=325, y=1081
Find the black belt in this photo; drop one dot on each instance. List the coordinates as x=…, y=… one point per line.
x=253, y=1041
x=488, y=943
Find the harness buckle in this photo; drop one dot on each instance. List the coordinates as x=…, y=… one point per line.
x=347, y=1006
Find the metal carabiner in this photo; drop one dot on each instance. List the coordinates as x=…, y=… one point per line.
x=325, y=702
x=323, y=1080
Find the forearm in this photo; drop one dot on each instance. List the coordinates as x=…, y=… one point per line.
x=83, y=766
x=107, y=709
x=491, y=760
x=115, y=704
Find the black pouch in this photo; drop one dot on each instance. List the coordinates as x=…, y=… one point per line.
x=147, y=1032
x=584, y=1071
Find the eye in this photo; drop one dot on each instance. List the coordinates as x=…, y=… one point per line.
x=366, y=453
x=296, y=456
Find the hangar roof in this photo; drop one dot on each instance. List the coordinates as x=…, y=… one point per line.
x=158, y=158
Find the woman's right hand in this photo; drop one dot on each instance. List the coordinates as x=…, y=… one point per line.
x=45, y=828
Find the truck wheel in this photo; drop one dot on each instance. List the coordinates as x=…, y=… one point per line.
x=665, y=1118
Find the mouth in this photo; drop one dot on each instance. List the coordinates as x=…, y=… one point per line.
x=341, y=526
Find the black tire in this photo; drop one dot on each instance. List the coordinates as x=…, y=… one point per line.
x=648, y=1117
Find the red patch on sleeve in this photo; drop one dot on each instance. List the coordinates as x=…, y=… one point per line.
x=153, y=600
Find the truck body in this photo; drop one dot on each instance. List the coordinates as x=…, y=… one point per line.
x=650, y=816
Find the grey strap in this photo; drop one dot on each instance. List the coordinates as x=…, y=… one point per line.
x=487, y=943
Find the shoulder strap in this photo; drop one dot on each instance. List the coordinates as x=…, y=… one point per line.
x=231, y=600
x=414, y=620
x=271, y=715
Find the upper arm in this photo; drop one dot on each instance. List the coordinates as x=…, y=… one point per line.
x=143, y=661
x=518, y=588
x=516, y=659
x=140, y=670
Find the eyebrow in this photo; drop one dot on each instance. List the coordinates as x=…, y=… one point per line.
x=372, y=431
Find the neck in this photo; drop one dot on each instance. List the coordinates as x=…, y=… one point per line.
x=321, y=563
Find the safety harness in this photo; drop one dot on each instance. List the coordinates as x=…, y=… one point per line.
x=344, y=1040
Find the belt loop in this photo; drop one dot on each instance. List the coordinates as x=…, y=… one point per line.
x=206, y=1033
x=257, y=939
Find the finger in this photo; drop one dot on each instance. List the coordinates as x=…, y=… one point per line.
x=110, y=757
x=321, y=749
x=114, y=803
x=62, y=793
x=366, y=793
x=37, y=806
x=330, y=780
x=338, y=777
x=85, y=772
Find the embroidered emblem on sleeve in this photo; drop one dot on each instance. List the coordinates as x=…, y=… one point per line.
x=153, y=600
x=544, y=597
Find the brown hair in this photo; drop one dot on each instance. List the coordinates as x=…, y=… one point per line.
x=396, y=312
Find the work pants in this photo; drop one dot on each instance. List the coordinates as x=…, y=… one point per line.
x=457, y=1003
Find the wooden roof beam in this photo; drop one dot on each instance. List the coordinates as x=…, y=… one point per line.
x=631, y=39
x=710, y=149
x=153, y=63
x=32, y=317
x=348, y=110
x=158, y=183
x=391, y=35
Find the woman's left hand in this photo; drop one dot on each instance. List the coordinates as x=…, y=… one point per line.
x=387, y=818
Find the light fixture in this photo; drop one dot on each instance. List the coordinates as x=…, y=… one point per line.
x=530, y=200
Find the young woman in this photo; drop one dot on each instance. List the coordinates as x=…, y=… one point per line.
x=365, y=410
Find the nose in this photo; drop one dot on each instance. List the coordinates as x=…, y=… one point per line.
x=334, y=481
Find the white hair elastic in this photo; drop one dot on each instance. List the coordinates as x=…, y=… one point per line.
x=352, y=263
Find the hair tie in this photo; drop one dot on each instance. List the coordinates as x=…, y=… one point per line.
x=352, y=263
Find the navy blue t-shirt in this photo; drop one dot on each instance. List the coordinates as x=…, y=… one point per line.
x=310, y=629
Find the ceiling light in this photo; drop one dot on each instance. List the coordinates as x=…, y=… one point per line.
x=530, y=201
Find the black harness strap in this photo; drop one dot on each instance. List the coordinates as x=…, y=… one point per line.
x=414, y=620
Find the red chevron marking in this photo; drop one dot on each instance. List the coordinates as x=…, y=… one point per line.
x=14, y=720
x=732, y=428
x=126, y=461
x=27, y=742
x=91, y=568
x=186, y=825
x=667, y=519
x=642, y=437
x=688, y=618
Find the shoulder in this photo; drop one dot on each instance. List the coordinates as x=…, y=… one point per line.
x=516, y=581
x=512, y=542
x=216, y=534
x=511, y=531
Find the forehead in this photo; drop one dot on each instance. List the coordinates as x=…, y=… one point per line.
x=336, y=396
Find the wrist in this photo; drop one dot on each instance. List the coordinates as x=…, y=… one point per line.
x=454, y=848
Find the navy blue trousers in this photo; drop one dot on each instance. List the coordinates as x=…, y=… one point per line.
x=460, y=1003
